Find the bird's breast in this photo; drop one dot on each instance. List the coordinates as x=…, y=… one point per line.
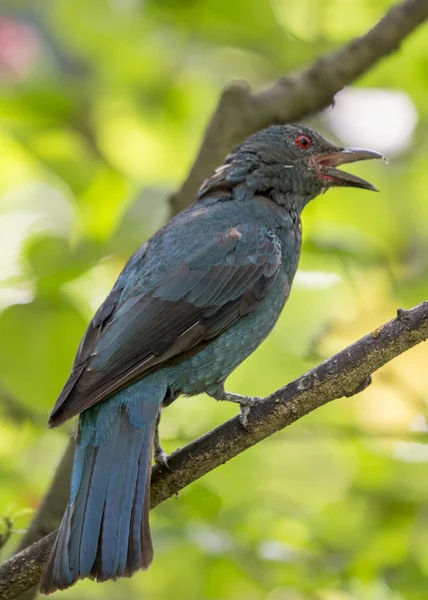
x=203, y=371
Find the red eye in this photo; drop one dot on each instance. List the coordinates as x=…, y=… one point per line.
x=303, y=141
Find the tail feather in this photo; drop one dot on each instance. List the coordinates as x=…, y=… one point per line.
x=105, y=531
x=77, y=509
x=60, y=569
x=140, y=549
x=89, y=517
x=117, y=511
x=124, y=533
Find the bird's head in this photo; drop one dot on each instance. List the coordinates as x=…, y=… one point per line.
x=291, y=164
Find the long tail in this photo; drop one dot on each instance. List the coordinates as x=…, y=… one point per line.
x=105, y=533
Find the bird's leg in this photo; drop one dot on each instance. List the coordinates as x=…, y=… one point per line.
x=160, y=455
x=245, y=402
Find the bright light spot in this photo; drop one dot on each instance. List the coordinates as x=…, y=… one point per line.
x=419, y=423
x=382, y=120
x=49, y=206
x=316, y=280
x=209, y=540
x=414, y=451
x=27, y=210
x=134, y=145
x=13, y=231
x=276, y=551
x=14, y=295
x=411, y=451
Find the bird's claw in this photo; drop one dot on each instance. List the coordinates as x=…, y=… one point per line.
x=161, y=457
x=246, y=403
x=159, y=454
x=243, y=416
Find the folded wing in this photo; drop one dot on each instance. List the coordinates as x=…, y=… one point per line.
x=189, y=308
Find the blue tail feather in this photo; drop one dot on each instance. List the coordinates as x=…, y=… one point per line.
x=116, y=518
x=140, y=546
x=123, y=533
x=94, y=506
x=104, y=533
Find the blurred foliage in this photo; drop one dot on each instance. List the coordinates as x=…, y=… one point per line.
x=102, y=106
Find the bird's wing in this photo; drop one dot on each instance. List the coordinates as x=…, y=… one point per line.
x=190, y=307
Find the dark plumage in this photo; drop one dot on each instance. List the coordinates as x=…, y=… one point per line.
x=191, y=304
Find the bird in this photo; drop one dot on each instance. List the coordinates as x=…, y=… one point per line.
x=191, y=304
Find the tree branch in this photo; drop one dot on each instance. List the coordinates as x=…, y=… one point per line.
x=345, y=374
x=241, y=113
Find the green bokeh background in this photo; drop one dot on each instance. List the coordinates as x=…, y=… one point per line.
x=102, y=107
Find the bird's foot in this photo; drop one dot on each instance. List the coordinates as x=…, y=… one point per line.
x=159, y=454
x=161, y=457
x=245, y=402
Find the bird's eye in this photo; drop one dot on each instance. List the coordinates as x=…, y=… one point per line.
x=303, y=142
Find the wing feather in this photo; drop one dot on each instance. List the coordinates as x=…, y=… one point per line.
x=192, y=305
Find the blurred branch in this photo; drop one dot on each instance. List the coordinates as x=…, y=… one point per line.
x=240, y=112
x=344, y=374
x=6, y=523
x=13, y=409
x=54, y=503
x=52, y=508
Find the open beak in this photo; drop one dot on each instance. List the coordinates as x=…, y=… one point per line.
x=327, y=163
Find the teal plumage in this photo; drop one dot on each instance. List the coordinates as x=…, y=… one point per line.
x=191, y=304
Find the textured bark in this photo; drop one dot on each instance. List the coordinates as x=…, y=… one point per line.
x=345, y=374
